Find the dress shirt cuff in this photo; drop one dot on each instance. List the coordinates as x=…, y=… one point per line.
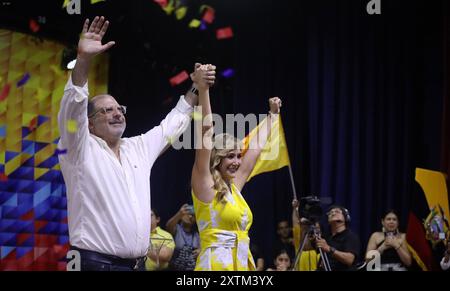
x=82, y=92
x=183, y=106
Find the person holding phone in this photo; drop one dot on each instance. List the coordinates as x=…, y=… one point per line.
x=183, y=227
x=391, y=244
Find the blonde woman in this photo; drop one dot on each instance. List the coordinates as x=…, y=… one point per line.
x=219, y=173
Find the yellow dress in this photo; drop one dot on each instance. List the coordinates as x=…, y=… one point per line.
x=223, y=228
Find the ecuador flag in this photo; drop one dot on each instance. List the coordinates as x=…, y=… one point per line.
x=430, y=193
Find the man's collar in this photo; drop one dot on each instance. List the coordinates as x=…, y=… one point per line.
x=340, y=232
x=102, y=142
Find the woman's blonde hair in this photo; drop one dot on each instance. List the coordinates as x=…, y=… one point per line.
x=223, y=144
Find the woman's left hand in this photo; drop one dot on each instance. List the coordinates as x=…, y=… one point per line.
x=275, y=105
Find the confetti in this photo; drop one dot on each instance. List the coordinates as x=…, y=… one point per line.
x=96, y=1
x=180, y=13
x=60, y=152
x=203, y=7
x=209, y=15
x=5, y=92
x=203, y=26
x=34, y=26
x=169, y=8
x=228, y=73
x=72, y=126
x=224, y=33
x=194, y=23
x=24, y=79
x=162, y=3
x=178, y=79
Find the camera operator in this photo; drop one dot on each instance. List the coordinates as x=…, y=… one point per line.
x=309, y=258
x=342, y=246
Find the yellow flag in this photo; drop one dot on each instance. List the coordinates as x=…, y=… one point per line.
x=435, y=189
x=275, y=154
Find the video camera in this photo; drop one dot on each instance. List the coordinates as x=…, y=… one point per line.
x=310, y=209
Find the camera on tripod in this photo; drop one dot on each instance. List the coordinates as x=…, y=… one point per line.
x=310, y=209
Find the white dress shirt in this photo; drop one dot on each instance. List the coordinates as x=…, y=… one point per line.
x=109, y=201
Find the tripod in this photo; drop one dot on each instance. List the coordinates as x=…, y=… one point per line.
x=313, y=231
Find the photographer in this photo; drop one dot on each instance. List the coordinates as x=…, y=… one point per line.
x=342, y=246
x=187, y=241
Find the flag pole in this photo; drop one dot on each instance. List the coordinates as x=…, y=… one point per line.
x=292, y=181
x=289, y=166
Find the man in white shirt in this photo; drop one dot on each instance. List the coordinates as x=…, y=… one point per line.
x=107, y=176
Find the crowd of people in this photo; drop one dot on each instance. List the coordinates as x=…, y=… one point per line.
x=296, y=248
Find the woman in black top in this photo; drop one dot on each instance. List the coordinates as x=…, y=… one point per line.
x=391, y=244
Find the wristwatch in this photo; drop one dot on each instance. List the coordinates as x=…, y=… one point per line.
x=194, y=90
x=332, y=250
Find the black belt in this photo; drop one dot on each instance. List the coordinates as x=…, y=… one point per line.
x=109, y=259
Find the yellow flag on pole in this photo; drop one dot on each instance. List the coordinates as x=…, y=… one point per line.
x=275, y=154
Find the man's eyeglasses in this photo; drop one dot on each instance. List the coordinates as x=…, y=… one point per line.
x=333, y=211
x=109, y=110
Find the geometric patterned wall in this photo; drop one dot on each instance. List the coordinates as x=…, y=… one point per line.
x=33, y=204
